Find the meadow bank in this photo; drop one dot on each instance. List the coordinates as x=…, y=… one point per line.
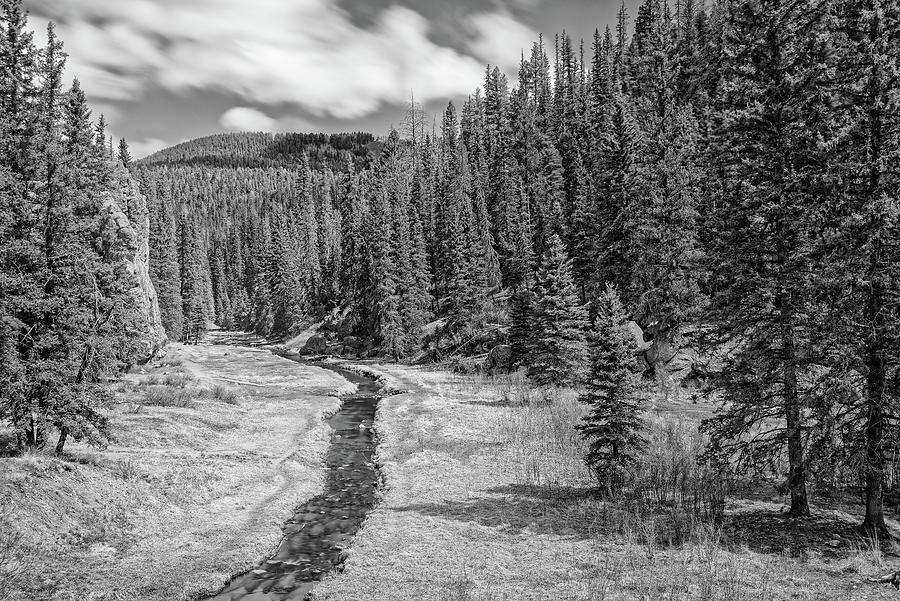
x=214, y=448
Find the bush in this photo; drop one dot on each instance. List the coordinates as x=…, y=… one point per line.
x=671, y=475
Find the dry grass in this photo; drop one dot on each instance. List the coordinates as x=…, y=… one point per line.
x=488, y=498
x=16, y=559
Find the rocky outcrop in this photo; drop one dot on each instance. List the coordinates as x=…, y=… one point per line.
x=672, y=358
x=125, y=233
x=638, y=334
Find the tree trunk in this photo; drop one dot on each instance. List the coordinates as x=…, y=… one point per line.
x=874, y=525
x=876, y=368
x=61, y=443
x=793, y=414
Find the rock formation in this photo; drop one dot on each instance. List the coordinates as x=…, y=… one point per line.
x=126, y=229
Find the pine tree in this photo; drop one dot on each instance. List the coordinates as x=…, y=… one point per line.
x=774, y=114
x=556, y=347
x=615, y=181
x=194, y=306
x=614, y=426
x=520, y=324
x=867, y=241
x=74, y=330
x=124, y=154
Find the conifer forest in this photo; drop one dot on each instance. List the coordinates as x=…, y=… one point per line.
x=620, y=323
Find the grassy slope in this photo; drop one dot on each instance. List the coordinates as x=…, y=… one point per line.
x=486, y=501
x=187, y=496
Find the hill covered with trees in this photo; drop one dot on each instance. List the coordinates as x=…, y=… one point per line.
x=267, y=150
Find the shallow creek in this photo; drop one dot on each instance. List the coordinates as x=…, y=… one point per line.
x=322, y=528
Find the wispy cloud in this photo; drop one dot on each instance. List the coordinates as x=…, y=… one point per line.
x=143, y=148
x=304, y=53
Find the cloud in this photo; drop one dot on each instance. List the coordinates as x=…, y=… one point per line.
x=144, y=148
x=242, y=118
x=500, y=38
x=308, y=54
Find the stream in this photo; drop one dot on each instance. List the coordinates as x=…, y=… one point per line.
x=322, y=528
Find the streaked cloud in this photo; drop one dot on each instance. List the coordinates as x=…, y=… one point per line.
x=500, y=38
x=305, y=53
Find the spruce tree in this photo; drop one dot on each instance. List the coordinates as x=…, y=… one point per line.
x=614, y=427
x=75, y=328
x=124, y=154
x=774, y=113
x=866, y=245
x=520, y=324
x=556, y=346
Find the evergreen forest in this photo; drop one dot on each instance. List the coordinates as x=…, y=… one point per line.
x=704, y=196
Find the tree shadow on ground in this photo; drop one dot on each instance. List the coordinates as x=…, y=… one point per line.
x=581, y=513
x=772, y=532
x=563, y=511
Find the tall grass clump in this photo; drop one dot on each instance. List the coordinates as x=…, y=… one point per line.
x=538, y=427
x=164, y=396
x=224, y=394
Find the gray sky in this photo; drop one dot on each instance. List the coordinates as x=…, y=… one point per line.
x=163, y=71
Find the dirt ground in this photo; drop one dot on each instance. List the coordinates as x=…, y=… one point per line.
x=475, y=509
x=188, y=494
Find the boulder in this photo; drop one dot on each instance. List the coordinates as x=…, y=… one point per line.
x=661, y=351
x=353, y=342
x=638, y=335
x=335, y=350
x=499, y=359
x=316, y=345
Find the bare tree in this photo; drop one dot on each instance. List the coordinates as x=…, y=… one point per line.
x=412, y=127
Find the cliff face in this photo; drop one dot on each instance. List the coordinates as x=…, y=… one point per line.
x=126, y=228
